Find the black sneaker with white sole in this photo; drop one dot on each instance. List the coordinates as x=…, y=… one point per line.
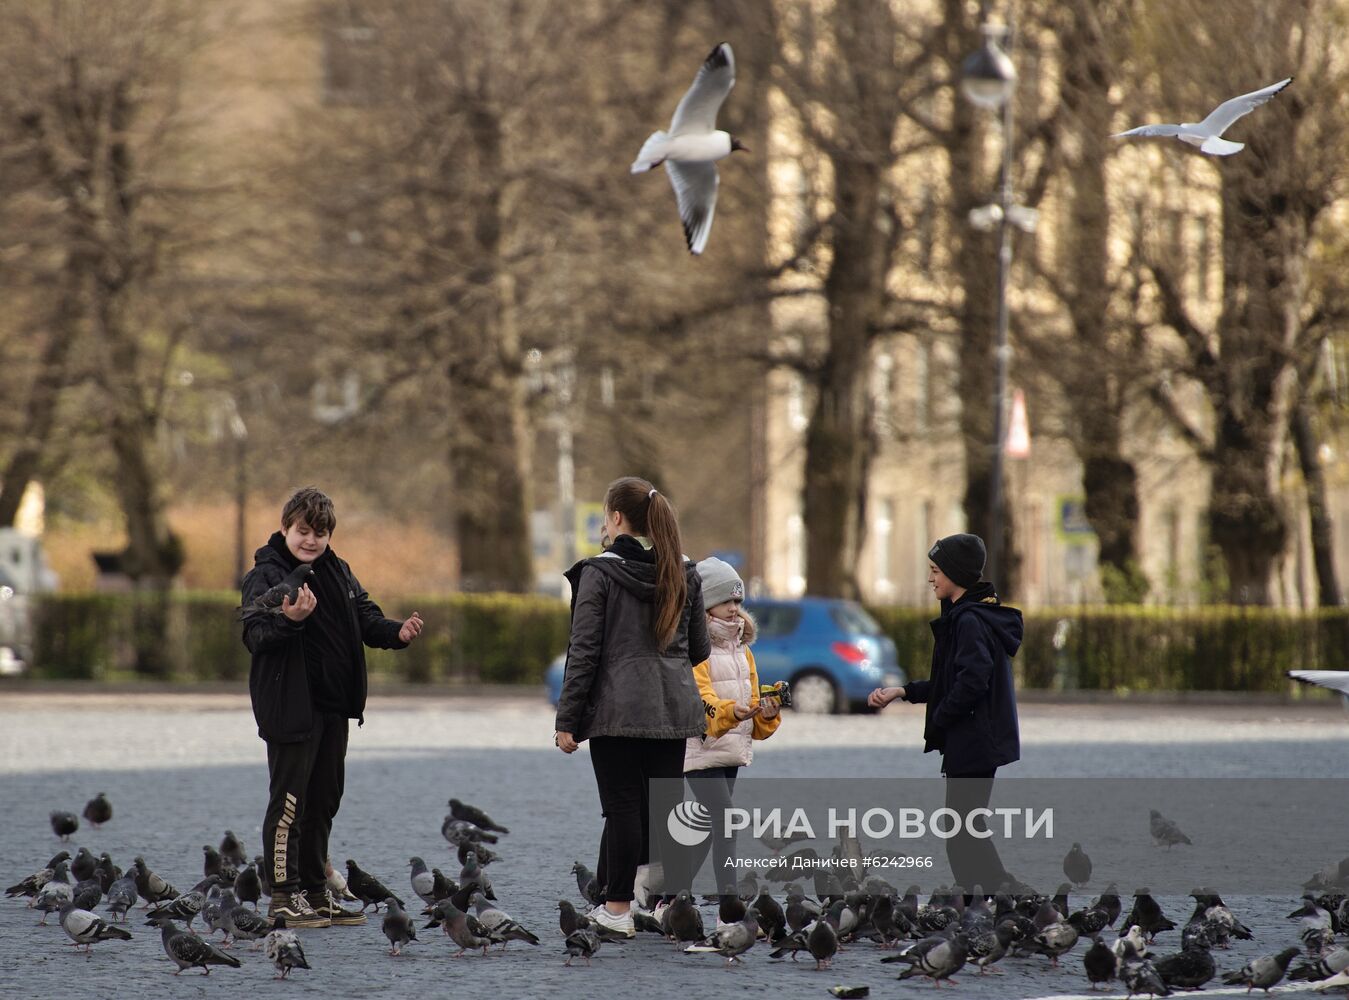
x=326, y=905
x=295, y=908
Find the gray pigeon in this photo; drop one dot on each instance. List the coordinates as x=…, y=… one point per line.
x=397, y=926
x=218, y=903
x=423, y=882
x=1055, y=940
x=56, y=893
x=368, y=889
x=472, y=814
x=485, y=854
x=231, y=850
x=1077, y=866
x=122, y=896
x=152, y=888
x=936, y=958
x=684, y=920
x=187, y=950
x=733, y=940
x=82, y=865
x=86, y=928
x=461, y=831
x=462, y=929
x=185, y=907
x=822, y=942
x=1263, y=972
x=98, y=810
x=587, y=884
x=282, y=948
x=1100, y=962
x=990, y=947
x=269, y=601
x=242, y=924
x=582, y=943
x=499, y=923
x=64, y=824
x=32, y=885
x=472, y=874
x=1322, y=968
x=248, y=886
x=1140, y=976
x=1165, y=833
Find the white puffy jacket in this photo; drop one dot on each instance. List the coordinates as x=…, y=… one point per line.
x=728, y=676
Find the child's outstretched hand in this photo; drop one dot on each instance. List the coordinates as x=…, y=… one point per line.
x=881, y=697
x=769, y=708
x=743, y=712
x=411, y=628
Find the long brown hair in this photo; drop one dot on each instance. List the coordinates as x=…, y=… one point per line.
x=652, y=515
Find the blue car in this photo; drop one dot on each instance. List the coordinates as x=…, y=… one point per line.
x=831, y=652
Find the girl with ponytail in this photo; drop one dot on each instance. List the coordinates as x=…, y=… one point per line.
x=637, y=629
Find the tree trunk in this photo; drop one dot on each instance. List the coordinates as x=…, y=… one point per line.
x=24, y=463
x=838, y=440
x=1318, y=504
x=1092, y=386
x=487, y=449
x=975, y=261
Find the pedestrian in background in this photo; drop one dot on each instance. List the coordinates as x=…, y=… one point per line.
x=971, y=715
x=728, y=681
x=637, y=629
x=306, y=681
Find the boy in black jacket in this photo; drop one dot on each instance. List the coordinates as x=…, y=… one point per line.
x=971, y=700
x=307, y=680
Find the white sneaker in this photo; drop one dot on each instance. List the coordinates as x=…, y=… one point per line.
x=619, y=923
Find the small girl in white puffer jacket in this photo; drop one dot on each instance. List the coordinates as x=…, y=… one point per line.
x=729, y=685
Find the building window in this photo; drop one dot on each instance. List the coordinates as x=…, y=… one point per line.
x=883, y=535
x=351, y=61
x=336, y=398
x=927, y=230
x=796, y=403
x=922, y=390
x=883, y=395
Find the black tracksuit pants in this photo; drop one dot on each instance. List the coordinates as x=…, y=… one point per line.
x=974, y=860
x=624, y=767
x=306, y=790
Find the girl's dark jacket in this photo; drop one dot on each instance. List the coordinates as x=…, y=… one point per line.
x=278, y=681
x=617, y=683
x=971, y=702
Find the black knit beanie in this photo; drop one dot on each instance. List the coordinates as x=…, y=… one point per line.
x=960, y=557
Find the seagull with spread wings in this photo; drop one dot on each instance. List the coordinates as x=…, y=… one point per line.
x=694, y=144
x=1207, y=135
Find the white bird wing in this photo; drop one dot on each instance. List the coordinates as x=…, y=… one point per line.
x=1150, y=130
x=695, y=187
x=1220, y=119
x=1334, y=680
x=697, y=111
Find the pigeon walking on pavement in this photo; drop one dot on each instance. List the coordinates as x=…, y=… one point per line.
x=87, y=928
x=937, y=958
x=368, y=889
x=1191, y=967
x=822, y=943
x=1165, y=833
x=82, y=865
x=55, y=893
x=98, y=810
x=1147, y=914
x=242, y=924
x=461, y=928
x=64, y=824
x=1263, y=972
x=32, y=884
x=283, y=950
x=247, y=885
x=188, y=951
x=1207, y=134
x=1100, y=962
x=693, y=144
x=731, y=941
x=472, y=874
x=583, y=942
x=397, y=926
x=423, y=882
x=1077, y=865
x=587, y=884
x=232, y=851
x=152, y=888
x=122, y=896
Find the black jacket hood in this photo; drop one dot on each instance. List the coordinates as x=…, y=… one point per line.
x=628, y=564
x=1005, y=623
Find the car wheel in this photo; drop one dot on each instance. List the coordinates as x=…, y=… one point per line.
x=814, y=694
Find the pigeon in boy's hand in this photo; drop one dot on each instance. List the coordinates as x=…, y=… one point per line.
x=269, y=602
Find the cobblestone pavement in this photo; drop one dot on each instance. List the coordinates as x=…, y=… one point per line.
x=180, y=769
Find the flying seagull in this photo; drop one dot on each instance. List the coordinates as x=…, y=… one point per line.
x=1207, y=135
x=692, y=146
x=1331, y=680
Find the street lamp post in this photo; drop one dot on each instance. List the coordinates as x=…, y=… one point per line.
x=988, y=79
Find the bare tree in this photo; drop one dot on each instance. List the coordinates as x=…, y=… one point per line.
x=1273, y=194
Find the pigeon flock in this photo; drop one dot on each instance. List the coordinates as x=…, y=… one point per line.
x=221, y=920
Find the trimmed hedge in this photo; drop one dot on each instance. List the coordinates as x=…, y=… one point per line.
x=1142, y=648
x=509, y=639
x=492, y=638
